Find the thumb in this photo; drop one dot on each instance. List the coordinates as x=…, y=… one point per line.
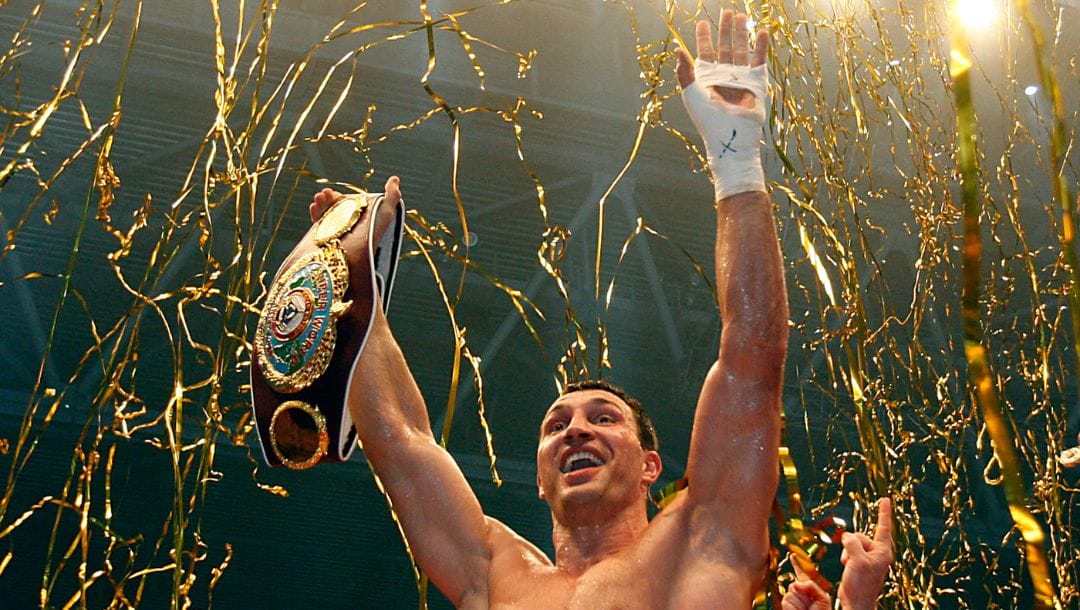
x=393, y=191
x=684, y=68
x=388, y=208
x=853, y=547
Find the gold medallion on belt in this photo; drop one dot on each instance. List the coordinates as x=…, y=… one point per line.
x=297, y=330
x=298, y=434
x=339, y=219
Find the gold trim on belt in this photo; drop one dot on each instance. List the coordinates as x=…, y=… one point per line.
x=297, y=333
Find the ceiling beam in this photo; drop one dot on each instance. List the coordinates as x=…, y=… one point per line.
x=671, y=333
x=31, y=317
x=511, y=320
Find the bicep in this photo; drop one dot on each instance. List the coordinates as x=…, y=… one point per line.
x=437, y=509
x=732, y=466
x=442, y=520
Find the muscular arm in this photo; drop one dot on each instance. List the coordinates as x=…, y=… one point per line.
x=441, y=517
x=732, y=465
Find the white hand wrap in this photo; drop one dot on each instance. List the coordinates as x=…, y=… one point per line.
x=732, y=133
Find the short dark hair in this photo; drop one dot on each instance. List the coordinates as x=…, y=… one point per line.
x=646, y=432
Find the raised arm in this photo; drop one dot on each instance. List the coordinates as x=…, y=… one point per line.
x=445, y=526
x=732, y=467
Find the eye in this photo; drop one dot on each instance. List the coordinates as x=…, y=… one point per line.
x=605, y=419
x=556, y=426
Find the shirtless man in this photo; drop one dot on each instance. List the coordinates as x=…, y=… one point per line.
x=709, y=547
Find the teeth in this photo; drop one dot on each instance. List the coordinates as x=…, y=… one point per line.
x=579, y=460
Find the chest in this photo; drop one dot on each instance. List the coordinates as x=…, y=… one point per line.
x=629, y=590
x=608, y=586
x=658, y=571
x=647, y=581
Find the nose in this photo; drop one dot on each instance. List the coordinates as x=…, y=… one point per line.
x=578, y=428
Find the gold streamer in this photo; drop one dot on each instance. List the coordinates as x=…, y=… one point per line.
x=978, y=362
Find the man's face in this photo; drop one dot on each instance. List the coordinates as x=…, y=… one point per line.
x=589, y=451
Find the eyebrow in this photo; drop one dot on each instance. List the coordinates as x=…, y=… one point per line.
x=598, y=400
x=553, y=409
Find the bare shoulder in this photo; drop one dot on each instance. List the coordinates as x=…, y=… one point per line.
x=504, y=540
x=520, y=574
x=694, y=530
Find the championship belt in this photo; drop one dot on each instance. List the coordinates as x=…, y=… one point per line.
x=313, y=328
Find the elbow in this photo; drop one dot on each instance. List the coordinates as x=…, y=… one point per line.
x=761, y=324
x=383, y=444
x=762, y=344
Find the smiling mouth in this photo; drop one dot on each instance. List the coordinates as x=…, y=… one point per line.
x=579, y=460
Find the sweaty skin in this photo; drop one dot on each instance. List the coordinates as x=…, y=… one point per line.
x=708, y=549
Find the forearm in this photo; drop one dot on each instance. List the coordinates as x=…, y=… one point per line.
x=385, y=402
x=858, y=605
x=741, y=397
x=750, y=276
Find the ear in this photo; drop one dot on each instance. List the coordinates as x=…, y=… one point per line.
x=651, y=468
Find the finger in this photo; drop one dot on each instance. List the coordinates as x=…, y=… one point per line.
x=705, y=49
x=800, y=574
x=393, y=190
x=391, y=199
x=809, y=594
x=806, y=589
x=326, y=197
x=322, y=202
x=723, y=39
x=387, y=210
x=740, y=44
x=853, y=547
x=792, y=601
x=866, y=541
x=814, y=592
x=761, y=48
x=883, y=532
x=684, y=68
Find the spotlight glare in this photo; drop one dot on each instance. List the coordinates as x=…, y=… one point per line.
x=750, y=24
x=974, y=14
x=1031, y=90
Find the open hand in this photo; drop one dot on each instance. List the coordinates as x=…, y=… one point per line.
x=733, y=47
